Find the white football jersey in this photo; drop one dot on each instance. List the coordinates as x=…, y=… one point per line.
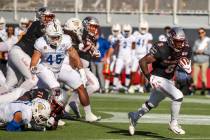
x=126, y=47
x=3, y=34
x=113, y=39
x=53, y=58
x=142, y=46
x=8, y=110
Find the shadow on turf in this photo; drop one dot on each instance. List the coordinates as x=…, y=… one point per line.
x=125, y=132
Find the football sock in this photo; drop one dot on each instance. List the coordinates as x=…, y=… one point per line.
x=87, y=109
x=175, y=108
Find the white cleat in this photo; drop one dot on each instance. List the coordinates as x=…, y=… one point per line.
x=61, y=123
x=176, y=128
x=90, y=117
x=131, y=90
x=131, y=129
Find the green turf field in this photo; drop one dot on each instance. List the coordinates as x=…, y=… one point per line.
x=195, y=116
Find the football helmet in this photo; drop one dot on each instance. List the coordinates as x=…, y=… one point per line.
x=162, y=38
x=176, y=38
x=74, y=25
x=40, y=110
x=2, y=23
x=127, y=30
x=143, y=27
x=91, y=26
x=23, y=23
x=116, y=29
x=44, y=15
x=53, y=33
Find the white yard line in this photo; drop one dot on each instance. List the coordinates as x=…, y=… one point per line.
x=122, y=117
x=139, y=97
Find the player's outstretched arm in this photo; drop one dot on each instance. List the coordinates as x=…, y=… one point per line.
x=74, y=58
x=143, y=63
x=34, y=61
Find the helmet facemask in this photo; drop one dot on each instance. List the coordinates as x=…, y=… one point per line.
x=40, y=111
x=54, y=34
x=177, y=38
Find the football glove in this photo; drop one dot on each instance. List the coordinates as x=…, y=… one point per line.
x=35, y=70
x=154, y=82
x=185, y=64
x=13, y=126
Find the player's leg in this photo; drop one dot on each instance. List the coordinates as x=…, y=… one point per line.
x=118, y=69
x=12, y=95
x=21, y=61
x=101, y=79
x=92, y=83
x=155, y=98
x=176, y=95
x=2, y=78
x=134, y=68
x=127, y=74
x=11, y=78
x=73, y=79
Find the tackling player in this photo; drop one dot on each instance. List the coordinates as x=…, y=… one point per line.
x=83, y=36
x=51, y=49
x=19, y=56
x=165, y=57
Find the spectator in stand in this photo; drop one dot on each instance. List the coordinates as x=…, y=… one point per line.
x=97, y=66
x=201, y=52
x=11, y=38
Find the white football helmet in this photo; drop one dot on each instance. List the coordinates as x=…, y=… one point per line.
x=74, y=24
x=127, y=30
x=40, y=110
x=144, y=27
x=2, y=23
x=116, y=29
x=23, y=23
x=53, y=33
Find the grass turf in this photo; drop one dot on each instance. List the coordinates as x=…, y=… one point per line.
x=80, y=130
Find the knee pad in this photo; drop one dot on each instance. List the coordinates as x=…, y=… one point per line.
x=179, y=100
x=147, y=106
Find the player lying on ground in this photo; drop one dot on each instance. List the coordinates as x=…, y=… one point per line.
x=21, y=115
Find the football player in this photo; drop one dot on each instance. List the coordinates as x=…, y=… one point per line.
x=19, y=56
x=22, y=29
x=51, y=49
x=83, y=36
x=3, y=33
x=143, y=40
x=165, y=57
x=126, y=46
x=111, y=54
x=18, y=115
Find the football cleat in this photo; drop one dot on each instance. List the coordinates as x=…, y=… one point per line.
x=90, y=117
x=176, y=128
x=61, y=123
x=75, y=109
x=133, y=118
